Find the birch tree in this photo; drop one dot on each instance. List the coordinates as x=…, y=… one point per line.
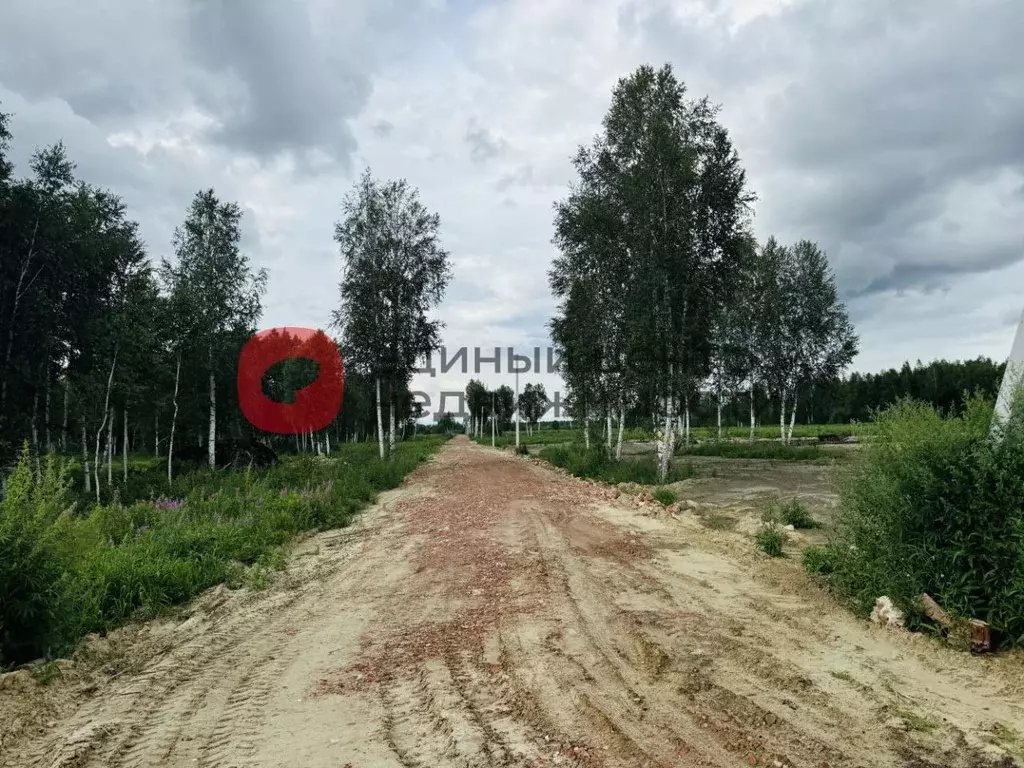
x=214, y=284
x=652, y=234
x=394, y=273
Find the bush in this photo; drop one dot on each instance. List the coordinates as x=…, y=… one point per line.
x=934, y=505
x=522, y=450
x=770, y=540
x=818, y=560
x=598, y=464
x=793, y=513
x=65, y=575
x=762, y=450
x=664, y=496
x=31, y=570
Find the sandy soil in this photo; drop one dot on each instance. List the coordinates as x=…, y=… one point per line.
x=493, y=612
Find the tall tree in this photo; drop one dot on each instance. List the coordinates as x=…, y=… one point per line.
x=394, y=272
x=651, y=238
x=215, y=289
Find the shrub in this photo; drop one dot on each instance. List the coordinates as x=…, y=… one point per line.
x=934, y=505
x=522, y=450
x=818, y=560
x=793, y=513
x=30, y=565
x=598, y=464
x=65, y=575
x=664, y=496
x=770, y=540
x=761, y=450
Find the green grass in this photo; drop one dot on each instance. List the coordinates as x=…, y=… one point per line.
x=916, y=722
x=794, y=513
x=818, y=561
x=566, y=434
x=664, y=496
x=68, y=570
x=595, y=464
x=716, y=521
x=762, y=450
x=770, y=540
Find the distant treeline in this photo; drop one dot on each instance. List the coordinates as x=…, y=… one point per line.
x=853, y=397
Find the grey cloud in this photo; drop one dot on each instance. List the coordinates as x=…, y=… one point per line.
x=520, y=177
x=278, y=87
x=881, y=114
x=483, y=145
x=383, y=128
x=282, y=77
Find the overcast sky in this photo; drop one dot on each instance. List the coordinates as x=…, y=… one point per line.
x=891, y=133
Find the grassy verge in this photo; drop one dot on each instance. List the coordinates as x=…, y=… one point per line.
x=763, y=450
x=565, y=434
x=65, y=573
x=595, y=464
x=934, y=505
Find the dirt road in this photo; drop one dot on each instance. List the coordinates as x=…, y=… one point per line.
x=492, y=612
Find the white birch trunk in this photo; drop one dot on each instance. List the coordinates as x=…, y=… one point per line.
x=380, y=422
x=85, y=459
x=752, y=425
x=99, y=432
x=608, y=421
x=687, y=421
x=618, y=443
x=517, y=410
x=792, y=421
x=586, y=433
x=211, y=440
x=666, y=443
x=124, y=446
x=327, y=442
x=174, y=421
x=156, y=435
x=110, y=450
x=391, y=429
x=719, y=415
x=782, y=416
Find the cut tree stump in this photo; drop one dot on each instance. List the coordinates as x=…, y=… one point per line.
x=934, y=612
x=979, y=633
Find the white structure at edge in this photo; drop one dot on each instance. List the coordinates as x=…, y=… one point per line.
x=1013, y=377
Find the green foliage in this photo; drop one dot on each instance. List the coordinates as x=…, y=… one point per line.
x=31, y=570
x=64, y=575
x=818, y=560
x=761, y=450
x=597, y=464
x=934, y=505
x=770, y=540
x=794, y=513
x=522, y=450
x=664, y=496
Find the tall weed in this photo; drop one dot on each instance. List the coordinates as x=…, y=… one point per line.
x=935, y=505
x=64, y=574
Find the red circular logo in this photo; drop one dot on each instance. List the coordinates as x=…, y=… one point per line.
x=315, y=406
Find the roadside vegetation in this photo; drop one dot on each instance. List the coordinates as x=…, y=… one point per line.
x=66, y=571
x=763, y=450
x=935, y=505
x=597, y=464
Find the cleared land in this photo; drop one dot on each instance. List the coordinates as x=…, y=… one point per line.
x=494, y=612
